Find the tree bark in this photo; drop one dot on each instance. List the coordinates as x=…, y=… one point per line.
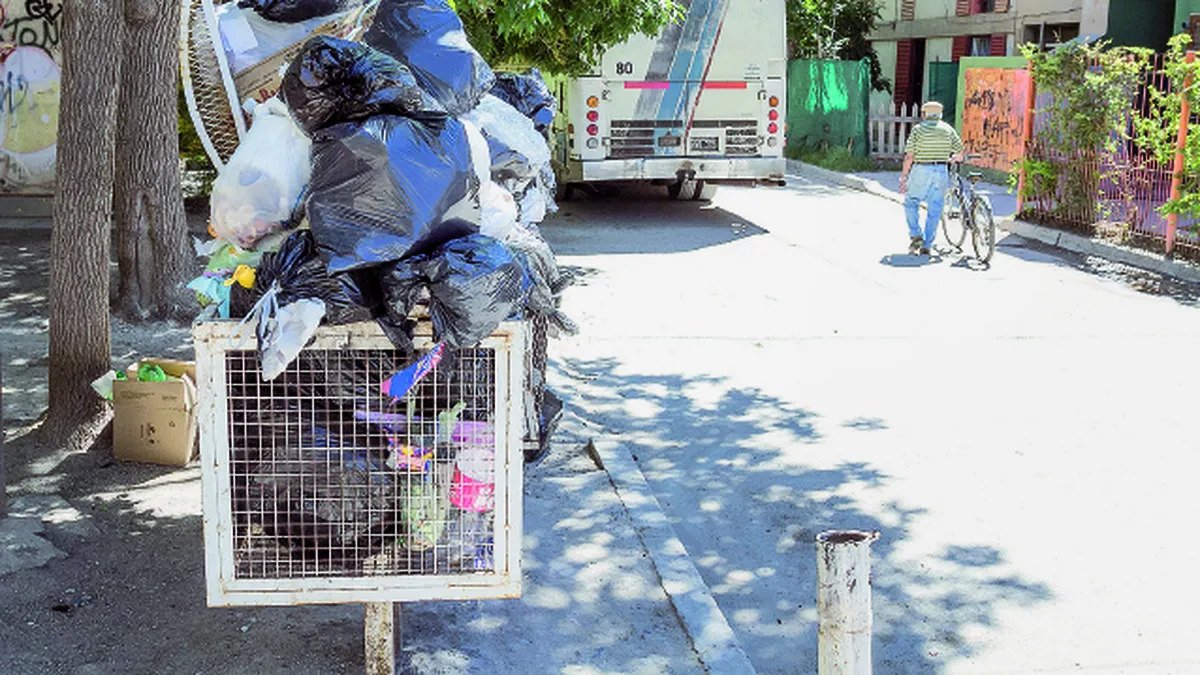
x=153, y=253
x=80, y=244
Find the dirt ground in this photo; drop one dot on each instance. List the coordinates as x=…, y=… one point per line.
x=129, y=597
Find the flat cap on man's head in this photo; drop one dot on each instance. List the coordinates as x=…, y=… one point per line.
x=932, y=107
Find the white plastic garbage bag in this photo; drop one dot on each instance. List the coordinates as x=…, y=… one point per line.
x=499, y=211
x=259, y=189
x=481, y=158
x=286, y=334
x=519, y=153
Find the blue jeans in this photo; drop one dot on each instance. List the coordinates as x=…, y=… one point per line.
x=926, y=183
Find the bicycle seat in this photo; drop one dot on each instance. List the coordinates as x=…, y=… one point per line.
x=975, y=176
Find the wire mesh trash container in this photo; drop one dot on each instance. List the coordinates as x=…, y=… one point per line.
x=319, y=487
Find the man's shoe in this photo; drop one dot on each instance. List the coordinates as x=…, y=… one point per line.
x=915, y=245
x=924, y=251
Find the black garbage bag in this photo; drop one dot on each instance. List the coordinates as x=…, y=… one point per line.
x=337, y=502
x=300, y=273
x=333, y=81
x=529, y=94
x=389, y=188
x=474, y=284
x=428, y=37
x=547, y=280
x=296, y=11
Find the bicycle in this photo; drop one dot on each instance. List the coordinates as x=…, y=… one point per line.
x=957, y=220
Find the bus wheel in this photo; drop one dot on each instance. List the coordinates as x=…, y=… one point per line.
x=705, y=192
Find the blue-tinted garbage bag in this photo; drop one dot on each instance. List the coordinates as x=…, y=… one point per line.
x=296, y=11
x=529, y=94
x=389, y=188
x=428, y=37
x=474, y=283
x=333, y=81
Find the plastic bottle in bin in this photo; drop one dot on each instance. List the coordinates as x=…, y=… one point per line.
x=473, y=487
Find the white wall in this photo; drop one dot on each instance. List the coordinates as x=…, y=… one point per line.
x=935, y=9
x=887, y=61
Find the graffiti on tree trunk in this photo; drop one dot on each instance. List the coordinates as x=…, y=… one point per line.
x=993, y=115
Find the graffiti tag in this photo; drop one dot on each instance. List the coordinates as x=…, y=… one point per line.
x=37, y=27
x=994, y=103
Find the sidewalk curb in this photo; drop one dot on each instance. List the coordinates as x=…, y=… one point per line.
x=711, y=636
x=1088, y=246
x=845, y=180
x=1068, y=241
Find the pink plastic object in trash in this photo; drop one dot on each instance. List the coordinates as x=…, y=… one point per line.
x=473, y=487
x=469, y=494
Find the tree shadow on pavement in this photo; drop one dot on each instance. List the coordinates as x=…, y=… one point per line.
x=747, y=481
x=135, y=593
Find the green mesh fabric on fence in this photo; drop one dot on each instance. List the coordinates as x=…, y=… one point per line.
x=828, y=104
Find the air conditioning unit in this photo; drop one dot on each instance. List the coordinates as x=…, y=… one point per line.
x=323, y=487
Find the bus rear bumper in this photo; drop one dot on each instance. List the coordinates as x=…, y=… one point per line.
x=715, y=170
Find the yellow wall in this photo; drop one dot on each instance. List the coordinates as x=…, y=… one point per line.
x=29, y=83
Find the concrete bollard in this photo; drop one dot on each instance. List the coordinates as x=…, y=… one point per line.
x=380, y=638
x=844, y=602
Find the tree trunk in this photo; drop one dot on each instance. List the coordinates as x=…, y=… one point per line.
x=80, y=244
x=153, y=253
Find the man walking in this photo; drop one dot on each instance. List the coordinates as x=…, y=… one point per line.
x=926, y=174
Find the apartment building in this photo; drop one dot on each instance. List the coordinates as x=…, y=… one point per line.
x=920, y=42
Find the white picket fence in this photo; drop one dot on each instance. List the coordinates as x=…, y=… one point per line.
x=890, y=127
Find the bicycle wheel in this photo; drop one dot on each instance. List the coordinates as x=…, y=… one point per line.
x=954, y=226
x=983, y=236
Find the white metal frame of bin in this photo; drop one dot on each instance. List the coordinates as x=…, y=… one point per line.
x=214, y=339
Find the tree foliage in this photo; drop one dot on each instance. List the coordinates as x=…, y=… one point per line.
x=564, y=37
x=1157, y=129
x=835, y=29
x=1088, y=119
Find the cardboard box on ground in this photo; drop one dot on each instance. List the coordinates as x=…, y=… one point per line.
x=155, y=422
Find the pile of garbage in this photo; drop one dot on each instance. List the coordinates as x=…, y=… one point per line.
x=389, y=176
x=392, y=178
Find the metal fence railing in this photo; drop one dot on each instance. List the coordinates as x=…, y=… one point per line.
x=1116, y=191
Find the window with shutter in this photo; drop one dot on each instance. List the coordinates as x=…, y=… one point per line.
x=1001, y=6
x=960, y=48
x=908, y=10
x=999, y=45
x=962, y=8
x=904, y=49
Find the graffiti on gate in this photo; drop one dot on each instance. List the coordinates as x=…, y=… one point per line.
x=30, y=84
x=994, y=102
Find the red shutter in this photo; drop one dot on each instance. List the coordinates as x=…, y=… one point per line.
x=962, y=8
x=999, y=45
x=904, y=50
x=961, y=47
x=908, y=10
x=1001, y=6
x=976, y=6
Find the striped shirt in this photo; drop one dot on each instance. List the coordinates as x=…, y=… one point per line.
x=932, y=142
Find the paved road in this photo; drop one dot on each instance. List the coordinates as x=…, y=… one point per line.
x=1021, y=435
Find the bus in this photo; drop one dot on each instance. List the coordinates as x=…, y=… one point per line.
x=702, y=104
